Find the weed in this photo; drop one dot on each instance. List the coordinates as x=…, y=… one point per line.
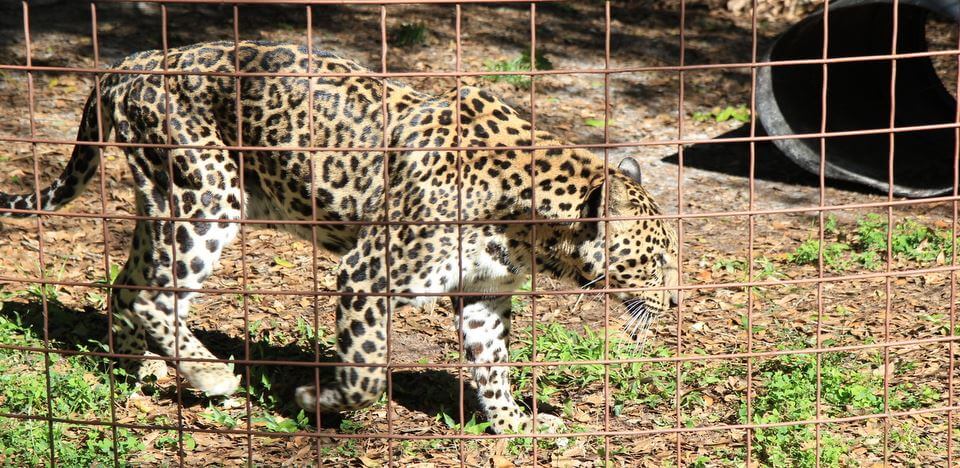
x=740, y=113
x=830, y=225
x=98, y=297
x=349, y=426
x=472, y=427
x=169, y=441
x=280, y=424
x=833, y=254
x=597, y=123
x=910, y=241
x=79, y=389
x=788, y=393
x=631, y=382
x=220, y=418
x=409, y=34
x=729, y=266
x=906, y=439
x=767, y=270
x=518, y=64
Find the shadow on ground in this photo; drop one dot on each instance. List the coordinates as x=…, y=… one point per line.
x=771, y=164
x=427, y=391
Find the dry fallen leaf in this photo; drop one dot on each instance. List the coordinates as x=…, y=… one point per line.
x=499, y=461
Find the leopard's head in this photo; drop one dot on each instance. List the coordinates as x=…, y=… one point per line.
x=635, y=253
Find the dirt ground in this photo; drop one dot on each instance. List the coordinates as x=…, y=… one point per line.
x=643, y=106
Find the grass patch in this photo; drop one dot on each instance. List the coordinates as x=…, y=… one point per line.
x=80, y=389
x=787, y=392
x=647, y=384
x=865, y=244
x=740, y=113
x=409, y=34
x=520, y=63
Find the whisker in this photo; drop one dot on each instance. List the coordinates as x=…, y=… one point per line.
x=639, y=344
x=593, y=281
x=631, y=310
x=588, y=284
x=637, y=312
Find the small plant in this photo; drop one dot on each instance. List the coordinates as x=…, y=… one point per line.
x=557, y=343
x=809, y=253
x=788, y=393
x=518, y=64
x=766, y=269
x=867, y=246
x=280, y=424
x=169, y=441
x=830, y=225
x=597, y=123
x=409, y=34
x=220, y=418
x=472, y=427
x=349, y=426
x=740, y=113
x=82, y=391
x=729, y=266
x=98, y=297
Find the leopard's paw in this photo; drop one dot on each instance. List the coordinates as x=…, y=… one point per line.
x=211, y=378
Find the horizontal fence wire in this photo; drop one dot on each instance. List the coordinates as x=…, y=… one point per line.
x=682, y=353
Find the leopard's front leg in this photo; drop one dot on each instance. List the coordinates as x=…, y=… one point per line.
x=485, y=331
x=361, y=332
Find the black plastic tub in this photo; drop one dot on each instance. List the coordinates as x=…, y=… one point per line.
x=858, y=96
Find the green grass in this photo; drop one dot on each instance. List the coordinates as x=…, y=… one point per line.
x=786, y=388
x=409, y=34
x=787, y=392
x=865, y=244
x=520, y=63
x=740, y=113
x=80, y=389
x=472, y=427
x=647, y=384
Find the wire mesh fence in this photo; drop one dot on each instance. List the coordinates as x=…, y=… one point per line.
x=836, y=346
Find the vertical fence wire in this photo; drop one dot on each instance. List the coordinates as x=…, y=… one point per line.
x=40, y=242
x=951, y=346
x=751, y=174
x=533, y=229
x=387, y=263
x=680, y=162
x=607, y=398
x=457, y=302
x=314, y=259
x=822, y=198
x=244, y=280
x=111, y=377
x=889, y=278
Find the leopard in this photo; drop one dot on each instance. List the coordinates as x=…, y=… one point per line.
x=419, y=195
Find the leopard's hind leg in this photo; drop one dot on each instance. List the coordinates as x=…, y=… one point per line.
x=362, y=327
x=168, y=254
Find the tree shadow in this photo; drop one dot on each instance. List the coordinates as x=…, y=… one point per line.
x=428, y=391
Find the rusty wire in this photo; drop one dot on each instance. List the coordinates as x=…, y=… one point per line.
x=678, y=430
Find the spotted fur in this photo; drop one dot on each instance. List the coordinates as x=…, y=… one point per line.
x=204, y=182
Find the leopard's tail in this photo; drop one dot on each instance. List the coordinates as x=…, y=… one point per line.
x=74, y=178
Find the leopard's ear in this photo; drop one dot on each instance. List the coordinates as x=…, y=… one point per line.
x=631, y=168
